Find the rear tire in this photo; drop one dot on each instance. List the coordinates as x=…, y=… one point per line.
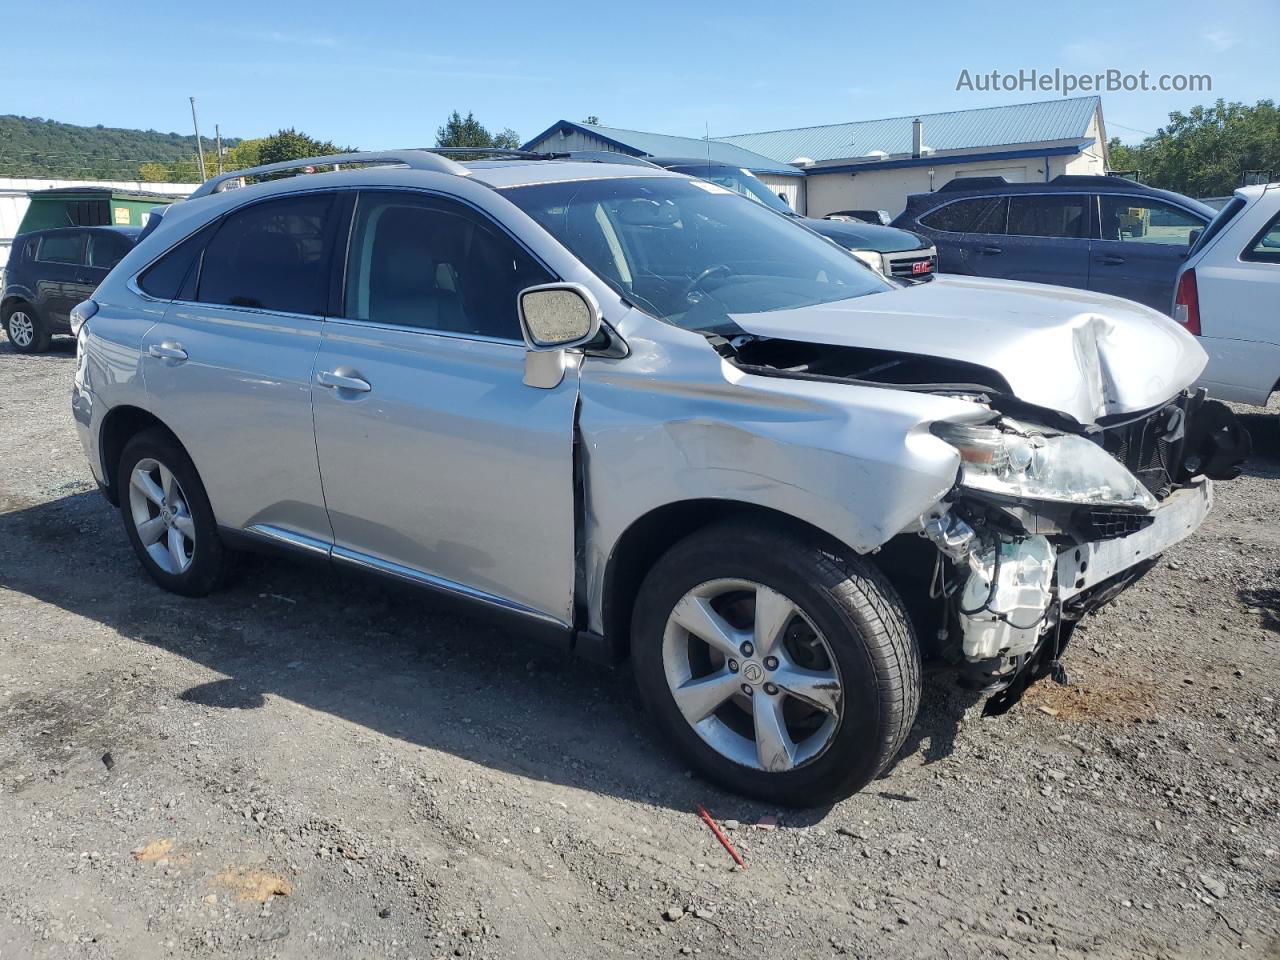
x=167, y=516
x=832, y=704
x=25, y=329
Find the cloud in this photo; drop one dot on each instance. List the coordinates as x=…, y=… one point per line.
x=1221, y=40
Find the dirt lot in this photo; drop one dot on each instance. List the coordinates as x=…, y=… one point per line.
x=309, y=766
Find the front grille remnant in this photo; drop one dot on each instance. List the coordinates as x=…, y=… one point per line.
x=1151, y=448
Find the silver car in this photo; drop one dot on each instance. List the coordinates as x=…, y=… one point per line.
x=649, y=418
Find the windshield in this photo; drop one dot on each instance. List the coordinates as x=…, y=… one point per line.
x=739, y=181
x=691, y=252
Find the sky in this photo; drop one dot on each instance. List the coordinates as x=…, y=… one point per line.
x=378, y=74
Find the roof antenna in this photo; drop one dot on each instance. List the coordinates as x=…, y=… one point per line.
x=707, y=123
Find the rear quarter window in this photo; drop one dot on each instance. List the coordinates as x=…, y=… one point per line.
x=1266, y=246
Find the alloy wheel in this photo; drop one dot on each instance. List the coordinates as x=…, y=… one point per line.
x=752, y=675
x=161, y=516
x=22, y=329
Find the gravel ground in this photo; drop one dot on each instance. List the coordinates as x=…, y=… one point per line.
x=307, y=765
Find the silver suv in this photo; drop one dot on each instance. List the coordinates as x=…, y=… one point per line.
x=649, y=417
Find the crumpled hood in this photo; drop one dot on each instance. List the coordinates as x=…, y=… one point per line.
x=866, y=236
x=1083, y=354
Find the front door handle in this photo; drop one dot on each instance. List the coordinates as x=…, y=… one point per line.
x=342, y=381
x=167, y=350
x=1111, y=260
x=991, y=251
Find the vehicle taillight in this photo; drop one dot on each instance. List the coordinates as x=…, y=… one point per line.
x=1186, y=303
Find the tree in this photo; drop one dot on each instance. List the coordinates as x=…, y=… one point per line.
x=1205, y=151
x=592, y=121
x=292, y=144
x=460, y=131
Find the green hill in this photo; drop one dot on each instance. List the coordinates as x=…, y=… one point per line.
x=34, y=147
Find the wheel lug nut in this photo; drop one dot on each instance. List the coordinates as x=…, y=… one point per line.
x=746, y=688
x=748, y=649
x=770, y=689
x=771, y=663
x=733, y=666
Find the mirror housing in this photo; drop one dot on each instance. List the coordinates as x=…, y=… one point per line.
x=1193, y=236
x=558, y=316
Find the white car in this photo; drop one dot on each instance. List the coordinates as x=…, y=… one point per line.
x=1228, y=295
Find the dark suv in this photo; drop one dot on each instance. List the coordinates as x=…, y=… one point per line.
x=1106, y=234
x=49, y=272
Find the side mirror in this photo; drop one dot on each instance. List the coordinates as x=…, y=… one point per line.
x=554, y=318
x=1193, y=236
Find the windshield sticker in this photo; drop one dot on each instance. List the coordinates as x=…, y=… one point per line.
x=710, y=187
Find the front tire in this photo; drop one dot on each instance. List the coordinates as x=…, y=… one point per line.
x=779, y=667
x=167, y=515
x=25, y=329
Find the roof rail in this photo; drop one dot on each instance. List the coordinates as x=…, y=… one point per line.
x=972, y=183
x=495, y=152
x=1095, y=179
x=417, y=159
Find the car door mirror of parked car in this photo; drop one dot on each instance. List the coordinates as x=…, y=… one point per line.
x=1193, y=236
x=555, y=317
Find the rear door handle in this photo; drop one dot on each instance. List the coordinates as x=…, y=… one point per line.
x=167, y=350
x=342, y=381
x=990, y=251
x=1110, y=259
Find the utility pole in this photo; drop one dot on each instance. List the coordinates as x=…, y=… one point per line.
x=199, y=143
x=217, y=133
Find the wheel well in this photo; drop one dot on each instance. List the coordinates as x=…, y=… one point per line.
x=13, y=301
x=649, y=537
x=120, y=426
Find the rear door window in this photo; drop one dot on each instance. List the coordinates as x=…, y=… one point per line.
x=107, y=249
x=61, y=247
x=1049, y=215
x=273, y=255
x=1143, y=220
x=961, y=215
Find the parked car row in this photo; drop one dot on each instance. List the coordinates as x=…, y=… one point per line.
x=1106, y=234
x=637, y=413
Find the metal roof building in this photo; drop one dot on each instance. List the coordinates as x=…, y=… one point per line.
x=876, y=164
x=782, y=177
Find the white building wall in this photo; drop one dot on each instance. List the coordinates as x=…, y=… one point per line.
x=14, y=199
x=793, y=188
x=889, y=189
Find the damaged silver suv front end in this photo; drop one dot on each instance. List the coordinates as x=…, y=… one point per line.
x=1044, y=526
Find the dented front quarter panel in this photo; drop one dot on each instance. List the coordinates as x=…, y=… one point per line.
x=674, y=422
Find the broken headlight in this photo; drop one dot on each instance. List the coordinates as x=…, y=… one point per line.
x=1034, y=466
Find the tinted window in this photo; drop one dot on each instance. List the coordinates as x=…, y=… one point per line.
x=1048, y=216
x=172, y=277
x=62, y=247
x=1135, y=220
x=423, y=262
x=960, y=216
x=272, y=255
x=1267, y=247
x=107, y=249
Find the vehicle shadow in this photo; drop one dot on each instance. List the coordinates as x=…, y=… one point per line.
x=390, y=659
